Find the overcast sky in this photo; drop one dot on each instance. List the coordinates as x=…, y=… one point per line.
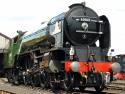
x=26, y=15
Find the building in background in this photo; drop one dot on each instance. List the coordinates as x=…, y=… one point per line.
x=4, y=46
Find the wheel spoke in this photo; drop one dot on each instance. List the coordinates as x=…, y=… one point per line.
x=100, y=85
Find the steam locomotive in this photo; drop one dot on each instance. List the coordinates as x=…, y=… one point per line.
x=69, y=51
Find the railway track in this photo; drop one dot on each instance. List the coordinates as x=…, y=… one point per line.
x=6, y=92
x=117, y=85
x=6, y=88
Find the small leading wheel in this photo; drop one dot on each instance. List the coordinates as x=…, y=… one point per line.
x=99, y=88
x=83, y=81
x=68, y=83
x=100, y=85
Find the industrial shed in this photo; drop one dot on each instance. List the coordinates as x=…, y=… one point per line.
x=4, y=46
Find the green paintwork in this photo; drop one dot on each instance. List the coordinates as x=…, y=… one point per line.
x=13, y=51
x=21, y=41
